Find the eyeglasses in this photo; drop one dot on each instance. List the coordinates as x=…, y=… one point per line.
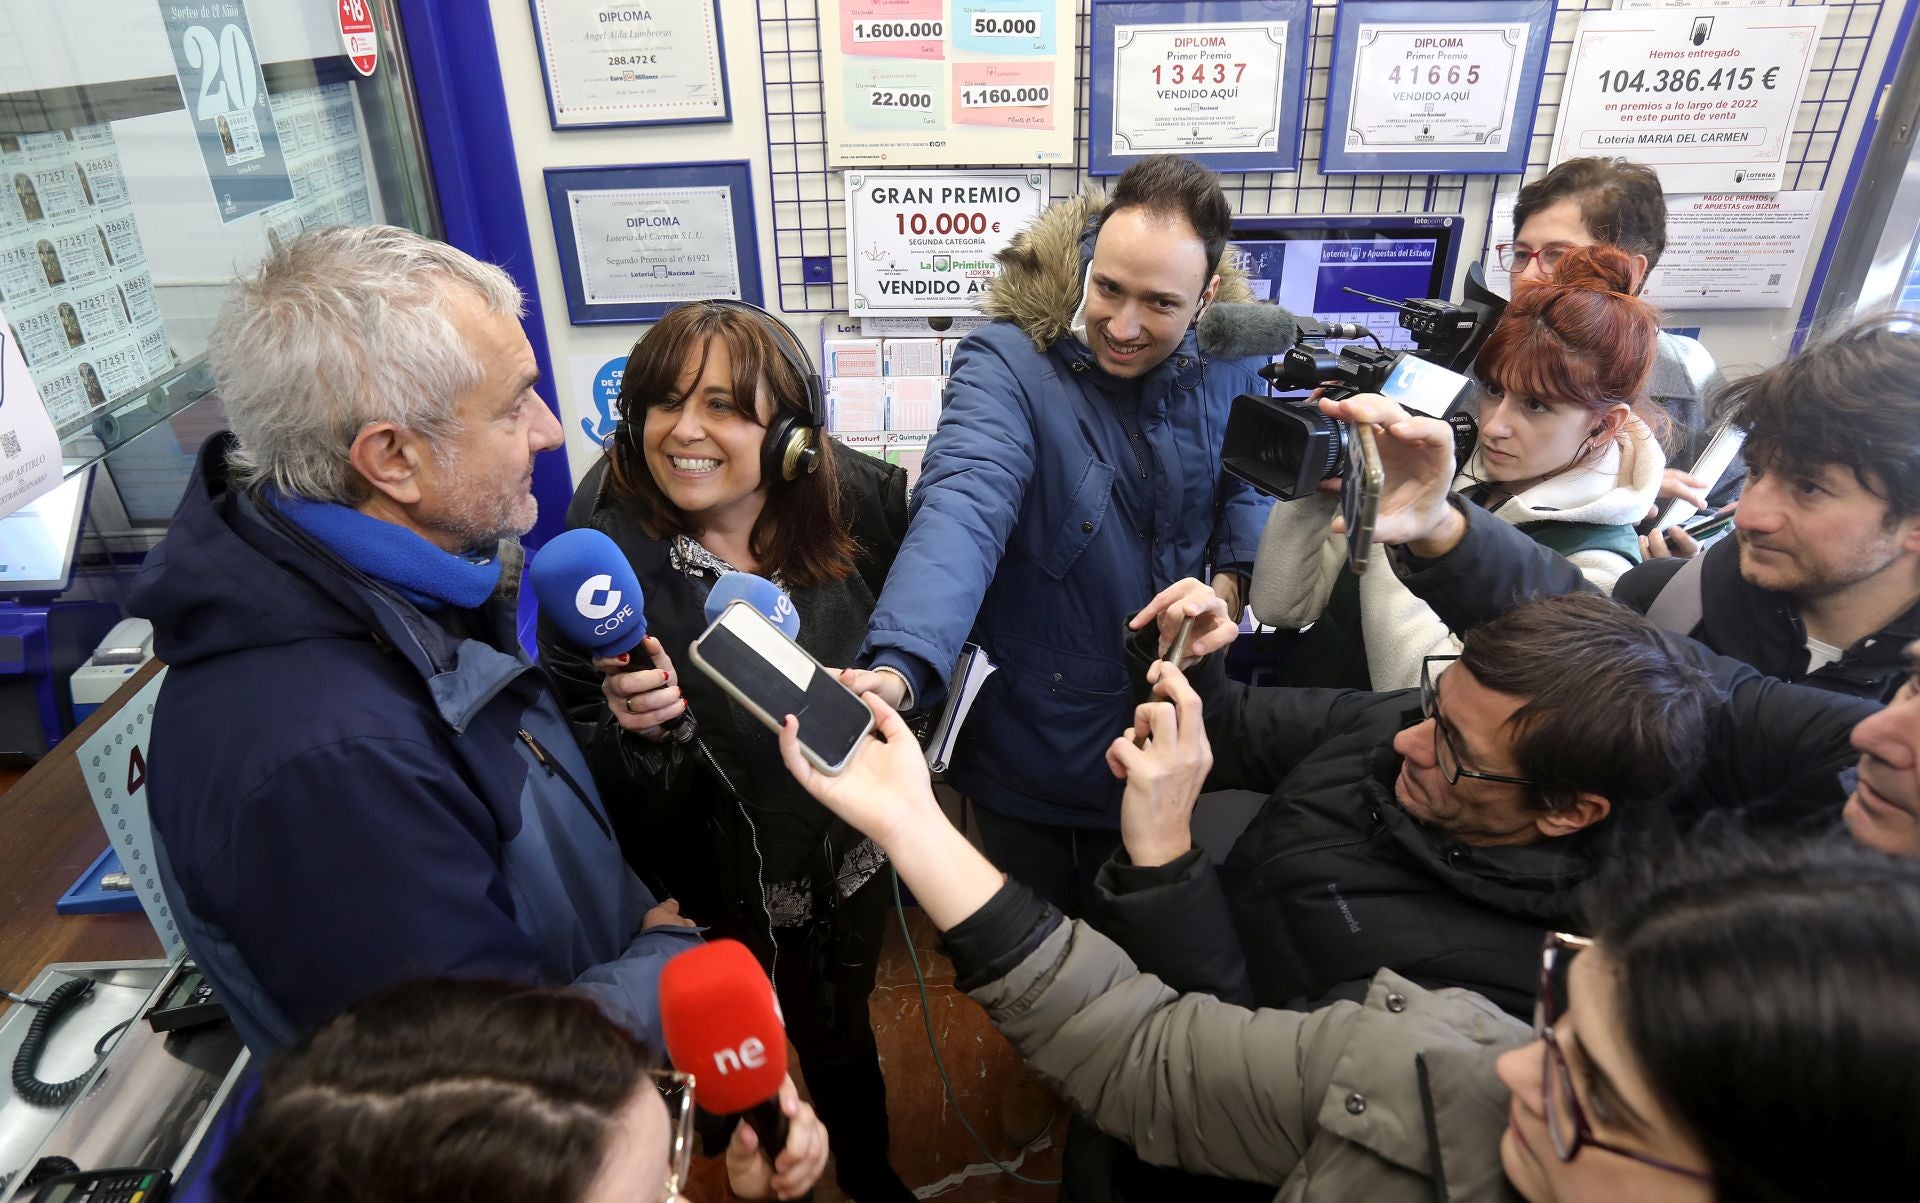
x=676, y=1091
x=1444, y=753
x=1515, y=258
x=1566, y=1119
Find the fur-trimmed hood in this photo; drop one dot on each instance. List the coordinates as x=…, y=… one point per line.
x=1042, y=269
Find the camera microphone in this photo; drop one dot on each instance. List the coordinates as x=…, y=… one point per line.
x=1252, y=329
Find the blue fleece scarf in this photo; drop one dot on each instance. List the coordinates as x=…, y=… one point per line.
x=393, y=555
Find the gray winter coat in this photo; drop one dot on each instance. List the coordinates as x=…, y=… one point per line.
x=1394, y=1099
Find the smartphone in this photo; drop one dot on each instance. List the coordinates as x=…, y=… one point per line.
x=1708, y=526
x=1360, y=495
x=772, y=676
x=1710, y=467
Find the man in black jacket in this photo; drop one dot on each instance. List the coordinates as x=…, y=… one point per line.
x=1438, y=832
x=1821, y=582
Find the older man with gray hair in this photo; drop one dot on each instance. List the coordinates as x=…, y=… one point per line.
x=357, y=777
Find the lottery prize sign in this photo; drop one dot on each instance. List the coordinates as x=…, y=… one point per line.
x=922, y=243
x=1707, y=99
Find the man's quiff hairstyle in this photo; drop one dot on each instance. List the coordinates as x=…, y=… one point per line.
x=1168, y=185
x=1851, y=399
x=338, y=329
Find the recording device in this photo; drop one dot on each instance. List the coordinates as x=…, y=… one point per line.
x=722, y=1025
x=1710, y=467
x=1708, y=527
x=752, y=655
x=767, y=599
x=586, y=586
x=132, y=1184
x=1285, y=446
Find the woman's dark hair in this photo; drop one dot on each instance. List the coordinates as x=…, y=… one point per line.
x=1579, y=338
x=1612, y=703
x=800, y=533
x=1620, y=201
x=437, y=1090
x=1851, y=399
x=1772, y=998
x=1166, y=185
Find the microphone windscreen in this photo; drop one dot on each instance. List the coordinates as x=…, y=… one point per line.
x=758, y=592
x=586, y=586
x=1246, y=330
x=721, y=1025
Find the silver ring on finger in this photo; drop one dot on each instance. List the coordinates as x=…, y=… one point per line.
x=629, y=703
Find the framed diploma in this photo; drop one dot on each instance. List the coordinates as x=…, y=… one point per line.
x=632, y=62
x=1435, y=87
x=1219, y=81
x=636, y=241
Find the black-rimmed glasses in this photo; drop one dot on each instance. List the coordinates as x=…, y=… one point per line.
x=1444, y=753
x=1566, y=1120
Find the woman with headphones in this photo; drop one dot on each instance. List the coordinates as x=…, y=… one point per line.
x=1567, y=452
x=720, y=464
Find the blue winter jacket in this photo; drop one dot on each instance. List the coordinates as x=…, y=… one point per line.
x=345, y=795
x=1016, y=540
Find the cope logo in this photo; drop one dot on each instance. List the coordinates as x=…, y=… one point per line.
x=600, y=601
x=600, y=587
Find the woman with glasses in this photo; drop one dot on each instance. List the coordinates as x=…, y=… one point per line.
x=1582, y=202
x=1742, y=1026
x=484, y=1091
x=1566, y=452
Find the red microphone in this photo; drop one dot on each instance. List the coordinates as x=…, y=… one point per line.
x=723, y=1027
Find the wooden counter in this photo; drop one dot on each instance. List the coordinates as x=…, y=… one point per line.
x=49, y=834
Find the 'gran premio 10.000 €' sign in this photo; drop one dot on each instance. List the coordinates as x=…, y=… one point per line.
x=922, y=243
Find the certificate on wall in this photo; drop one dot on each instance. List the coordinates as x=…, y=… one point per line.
x=922, y=243
x=1707, y=99
x=916, y=82
x=635, y=242
x=1435, y=88
x=1218, y=82
x=632, y=62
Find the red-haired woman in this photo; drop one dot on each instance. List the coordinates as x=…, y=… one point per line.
x=691, y=491
x=1567, y=453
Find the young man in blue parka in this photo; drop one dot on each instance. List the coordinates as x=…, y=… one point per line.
x=1075, y=473
x=356, y=775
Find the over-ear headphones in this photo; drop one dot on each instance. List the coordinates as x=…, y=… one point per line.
x=792, y=446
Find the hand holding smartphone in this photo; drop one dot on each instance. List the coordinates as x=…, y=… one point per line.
x=771, y=676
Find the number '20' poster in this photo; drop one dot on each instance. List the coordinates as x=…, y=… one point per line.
x=226, y=98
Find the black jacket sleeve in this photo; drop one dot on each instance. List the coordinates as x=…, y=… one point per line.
x=1775, y=752
x=1173, y=920
x=986, y=945
x=1495, y=568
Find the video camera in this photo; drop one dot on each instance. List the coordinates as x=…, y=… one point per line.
x=1284, y=446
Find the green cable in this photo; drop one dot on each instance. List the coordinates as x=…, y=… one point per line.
x=926, y=1017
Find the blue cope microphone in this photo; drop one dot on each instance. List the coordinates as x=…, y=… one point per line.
x=760, y=593
x=586, y=586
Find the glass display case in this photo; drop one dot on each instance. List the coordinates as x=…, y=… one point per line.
x=150, y=151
